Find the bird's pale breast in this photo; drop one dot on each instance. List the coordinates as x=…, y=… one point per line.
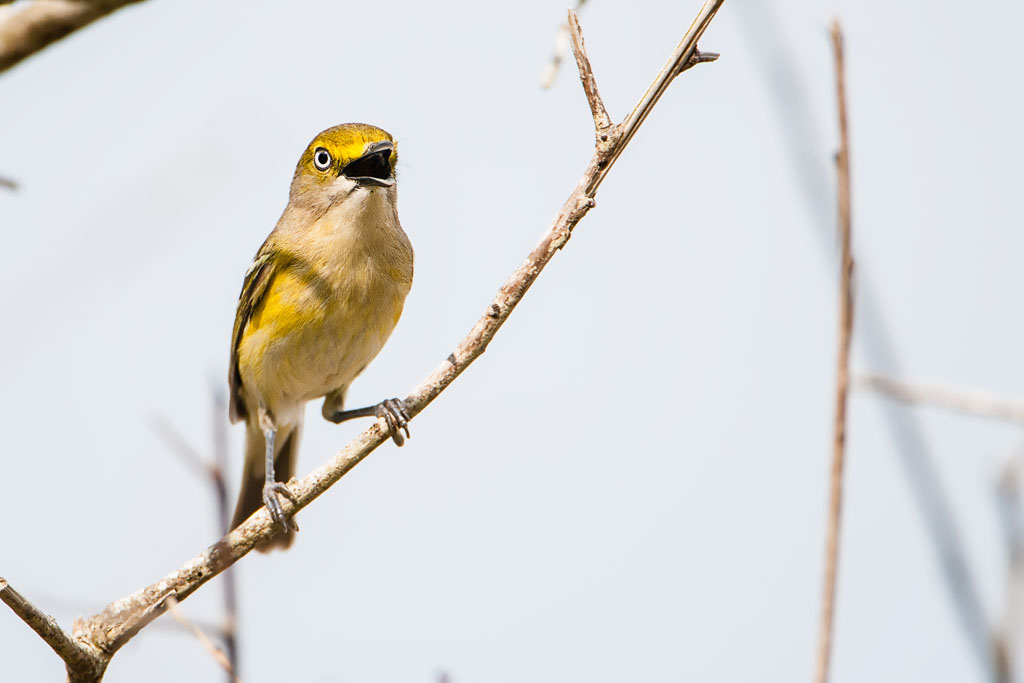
x=323, y=320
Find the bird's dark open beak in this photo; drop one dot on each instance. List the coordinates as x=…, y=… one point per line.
x=374, y=167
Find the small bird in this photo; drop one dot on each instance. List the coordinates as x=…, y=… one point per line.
x=322, y=296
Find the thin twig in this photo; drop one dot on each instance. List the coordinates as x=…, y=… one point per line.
x=968, y=401
x=27, y=29
x=215, y=652
x=842, y=369
x=601, y=119
x=121, y=619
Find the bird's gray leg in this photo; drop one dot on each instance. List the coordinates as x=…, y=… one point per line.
x=272, y=487
x=392, y=410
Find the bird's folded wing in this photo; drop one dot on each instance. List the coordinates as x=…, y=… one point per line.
x=257, y=278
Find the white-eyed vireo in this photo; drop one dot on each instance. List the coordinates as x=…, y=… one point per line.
x=319, y=301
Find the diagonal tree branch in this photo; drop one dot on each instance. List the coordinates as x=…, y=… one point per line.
x=842, y=368
x=106, y=632
x=27, y=29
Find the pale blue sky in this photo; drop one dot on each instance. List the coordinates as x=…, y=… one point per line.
x=631, y=483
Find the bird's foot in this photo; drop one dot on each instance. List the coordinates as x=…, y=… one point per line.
x=394, y=413
x=270, y=493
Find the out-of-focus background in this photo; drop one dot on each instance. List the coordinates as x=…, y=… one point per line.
x=631, y=484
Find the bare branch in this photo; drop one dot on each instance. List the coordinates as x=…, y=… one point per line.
x=76, y=657
x=120, y=620
x=842, y=369
x=215, y=652
x=8, y=183
x=968, y=401
x=25, y=30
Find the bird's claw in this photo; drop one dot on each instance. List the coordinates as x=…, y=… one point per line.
x=394, y=413
x=270, y=491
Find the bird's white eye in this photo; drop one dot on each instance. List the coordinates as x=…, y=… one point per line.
x=321, y=159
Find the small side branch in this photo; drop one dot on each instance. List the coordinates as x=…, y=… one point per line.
x=967, y=401
x=80, y=662
x=842, y=371
x=601, y=119
x=25, y=30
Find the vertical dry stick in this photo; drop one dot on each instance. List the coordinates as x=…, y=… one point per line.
x=842, y=370
x=1006, y=634
x=781, y=71
x=214, y=473
x=220, y=463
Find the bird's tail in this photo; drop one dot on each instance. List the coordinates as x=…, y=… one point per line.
x=250, y=496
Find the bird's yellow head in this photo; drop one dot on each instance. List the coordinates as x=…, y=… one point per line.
x=343, y=160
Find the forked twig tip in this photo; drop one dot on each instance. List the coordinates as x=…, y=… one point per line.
x=601, y=119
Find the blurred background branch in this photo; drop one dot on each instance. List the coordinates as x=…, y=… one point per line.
x=215, y=652
x=28, y=27
x=561, y=50
x=213, y=473
x=955, y=399
x=1007, y=633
